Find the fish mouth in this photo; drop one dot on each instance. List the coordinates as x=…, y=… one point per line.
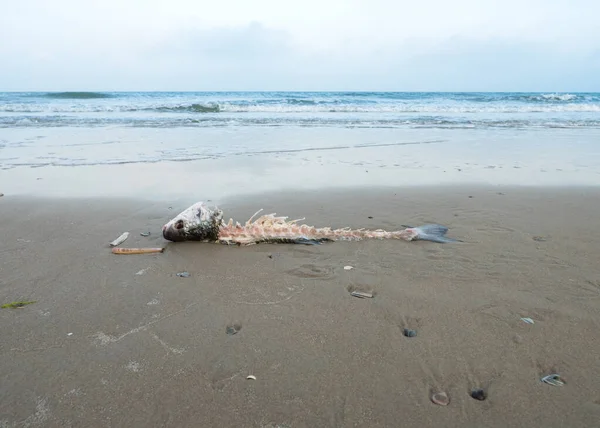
x=171, y=235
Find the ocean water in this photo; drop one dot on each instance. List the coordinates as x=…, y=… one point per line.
x=337, y=109
x=223, y=143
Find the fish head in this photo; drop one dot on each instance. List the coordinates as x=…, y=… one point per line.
x=197, y=223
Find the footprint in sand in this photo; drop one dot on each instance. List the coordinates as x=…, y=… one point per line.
x=312, y=271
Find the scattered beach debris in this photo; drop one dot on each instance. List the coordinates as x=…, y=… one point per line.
x=252, y=377
x=120, y=239
x=409, y=333
x=553, y=379
x=540, y=238
x=233, y=329
x=183, y=274
x=348, y=267
x=16, y=305
x=478, y=394
x=362, y=294
x=137, y=250
x=527, y=320
x=145, y=234
x=440, y=398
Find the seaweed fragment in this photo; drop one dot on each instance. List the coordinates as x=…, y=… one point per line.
x=16, y=304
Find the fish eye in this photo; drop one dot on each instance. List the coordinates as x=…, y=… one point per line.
x=179, y=224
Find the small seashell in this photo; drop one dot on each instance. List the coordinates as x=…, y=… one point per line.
x=252, y=377
x=69, y=334
x=409, y=333
x=348, y=267
x=183, y=274
x=120, y=239
x=440, y=398
x=145, y=233
x=553, y=379
x=527, y=320
x=362, y=294
x=233, y=329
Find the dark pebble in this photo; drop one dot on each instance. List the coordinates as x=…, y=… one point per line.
x=478, y=394
x=409, y=333
x=370, y=216
x=233, y=329
x=471, y=197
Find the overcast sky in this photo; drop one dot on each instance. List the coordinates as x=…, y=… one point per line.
x=398, y=45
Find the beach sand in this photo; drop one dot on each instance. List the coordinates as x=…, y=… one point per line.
x=121, y=341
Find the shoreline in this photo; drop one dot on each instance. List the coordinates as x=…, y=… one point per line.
x=254, y=160
x=121, y=340
x=218, y=179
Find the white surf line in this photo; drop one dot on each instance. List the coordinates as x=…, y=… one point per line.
x=317, y=149
x=167, y=347
x=105, y=339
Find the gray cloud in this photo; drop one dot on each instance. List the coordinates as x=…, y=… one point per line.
x=257, y=57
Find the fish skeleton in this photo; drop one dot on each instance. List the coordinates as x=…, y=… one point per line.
x=203, y=223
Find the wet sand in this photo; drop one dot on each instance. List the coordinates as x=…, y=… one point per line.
x=121, y=341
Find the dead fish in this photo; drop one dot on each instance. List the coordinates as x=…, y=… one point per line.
x=203, y=223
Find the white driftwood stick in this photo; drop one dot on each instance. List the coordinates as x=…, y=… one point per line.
x=120, y=239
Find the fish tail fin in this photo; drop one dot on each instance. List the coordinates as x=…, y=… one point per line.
x=433, y=233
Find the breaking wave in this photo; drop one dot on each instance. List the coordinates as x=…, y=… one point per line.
x=76, y=95
x=194, y=108
x=436, y=109
x=276, y=108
